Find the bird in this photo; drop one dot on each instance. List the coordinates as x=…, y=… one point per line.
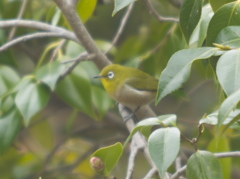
x=129, y=86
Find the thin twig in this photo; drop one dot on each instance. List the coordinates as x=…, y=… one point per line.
x=81, y=33
x=60, y=45
x=155, y=13
x=39, y=26
x=133, y=153
x=151, y=173
x=29, y=37
x=20, y=14
x=82, y=57
x=218, y=155
x=121, y=26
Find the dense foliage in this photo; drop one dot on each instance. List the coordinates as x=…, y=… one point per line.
x=54, y=117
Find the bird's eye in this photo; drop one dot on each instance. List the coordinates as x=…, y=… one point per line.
x=110, y=75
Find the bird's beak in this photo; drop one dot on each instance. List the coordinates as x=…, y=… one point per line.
x=99, y=76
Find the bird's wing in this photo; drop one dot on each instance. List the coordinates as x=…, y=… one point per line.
x=148, y=83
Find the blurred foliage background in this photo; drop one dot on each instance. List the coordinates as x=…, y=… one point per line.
x=79, y=117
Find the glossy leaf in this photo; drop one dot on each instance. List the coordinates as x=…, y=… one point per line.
x=229, y=36
x=163, y=146
x=216, y=4
x=228, y=71
x=75, y=90
x=9, y=127
x=110, y=156
x=227, y=15
x=227, y=106
x=190, y=14
x=85, y=9
x=221, y=145
x=30, y=99
x=169, y=119
x=50, y=73
x=120, y=4
x=178, y=69
x=212, y=119
x=203, y=164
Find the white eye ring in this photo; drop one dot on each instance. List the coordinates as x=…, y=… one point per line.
x=110, y=75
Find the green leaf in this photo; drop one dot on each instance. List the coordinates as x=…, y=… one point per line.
x=163, y=146
x=212, y=119
x=120, y=4
x=227, y=15
x=50, y=73
x=75, y=90
x=229, y=36
x=169, y=119
x=199, y=34
x=9, y=127
x=101, y=100
x=8, y=79
x=85, y=9
x=110, y=156
x=216, y=4
x=30, y=99
x=228, y=71
x=178, y=69
x=221, y=145
x=203, y=164
x=190, y=14
x=227, y=106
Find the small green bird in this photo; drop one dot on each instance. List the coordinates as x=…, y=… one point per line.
x=129, y=86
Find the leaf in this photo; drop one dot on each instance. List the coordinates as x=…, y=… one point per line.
x=221, y=145
x=163, y=146
x=85, y=9
x=228, y=71
x=203, y=164
x=50, y=73
x=190, y=14
x=227, y=106
x=212, y=119
x=9, y=127
x=101, y=100
x=75, y=90
x=227, y=15
x=8, y=79
x=30, y=99
x=110, y=156
x=168, y=119
x=178, y=69
x=120, y=4
x=216, y=4
x=229, y=36
x=199, y=34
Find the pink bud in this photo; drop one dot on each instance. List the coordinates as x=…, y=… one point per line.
x=97, y=164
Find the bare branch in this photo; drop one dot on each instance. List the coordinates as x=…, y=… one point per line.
x=82, y=57
x=218, y=155
x=29, y=37
x=133, y=153
x=39, y=26
x=151, y=173
x=155, y=13
x=121, y=26
x=20, y=14
x=81, y=32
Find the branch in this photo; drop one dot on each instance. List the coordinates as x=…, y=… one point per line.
x=151, y=173
x=20, y=14
x=218, y=155
x=32, y=36
x=81, y=33
x=133, y=153
x=39, y=26
x=121, y=26
x=154, y=12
